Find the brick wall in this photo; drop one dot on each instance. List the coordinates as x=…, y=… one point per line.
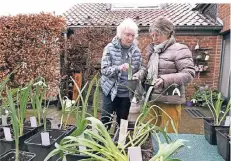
x=214, y=42
x=224, y=15
x=211, y=79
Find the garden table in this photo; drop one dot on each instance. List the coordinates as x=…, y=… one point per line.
x=196, y=149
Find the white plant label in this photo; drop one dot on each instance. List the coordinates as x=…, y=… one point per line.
x=54, y=125
x=94, y=128
x=134, y=153
x=82, y=148
x=227, y=120
x=45, y=138
x=7, y=133
x=4, y=120
x=33, y=121
x=123, y=131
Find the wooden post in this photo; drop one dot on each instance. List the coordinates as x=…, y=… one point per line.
x=78, y=80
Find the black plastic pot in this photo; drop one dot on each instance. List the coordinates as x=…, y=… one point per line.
x=209, y=131
x=34, y=144
x=223, y=139
x=69, y=129
x=74, y=157
x=8, y=145
x=35, y=130
x=23, y=156
x=145, y=151
x=132, y=84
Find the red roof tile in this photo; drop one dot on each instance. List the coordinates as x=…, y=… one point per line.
x=88, y=14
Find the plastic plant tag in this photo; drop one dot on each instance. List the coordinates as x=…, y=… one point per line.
x=54, y=124
x=227, y=120
x=33, y=121
x=7, y=133
x=123, y=131
x=134, y=153
x=82, y=148
x=93, y=128
x=45, y=137
x=4, y=120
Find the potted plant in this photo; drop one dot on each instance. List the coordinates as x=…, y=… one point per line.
x=165, y=150
x=3, y=114
x=70, y=144
x=131, y=83
x=20, y=97
x=223, y=136
x=17, y=119
x=218, y=117
x=81, y=113
x=189, y=103
x=43, y=142
x=200, y=93
x=37, y=96
x=100, y=146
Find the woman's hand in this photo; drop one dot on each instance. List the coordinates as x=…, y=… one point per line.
x=159, y=83
x=136, y=76
x=124, y=67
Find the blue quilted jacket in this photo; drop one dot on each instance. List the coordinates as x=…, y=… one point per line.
x=110, y=62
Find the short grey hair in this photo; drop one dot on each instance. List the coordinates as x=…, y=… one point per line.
x=162, y=26
x=128, y=23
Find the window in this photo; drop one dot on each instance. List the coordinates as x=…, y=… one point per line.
x=224, y=84
x=115, y=6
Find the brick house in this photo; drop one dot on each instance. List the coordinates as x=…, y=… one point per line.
x=194, y=24
x=223, y=12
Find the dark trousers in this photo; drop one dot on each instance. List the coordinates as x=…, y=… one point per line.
x=120, y=105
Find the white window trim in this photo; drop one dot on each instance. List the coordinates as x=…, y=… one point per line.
x=134, y=6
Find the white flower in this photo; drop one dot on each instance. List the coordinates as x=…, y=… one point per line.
x=40, y=83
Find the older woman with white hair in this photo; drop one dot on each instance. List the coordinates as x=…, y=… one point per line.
x=170, y=68
x=116, y=58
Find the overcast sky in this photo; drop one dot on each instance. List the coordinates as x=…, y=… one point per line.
x=14, y=7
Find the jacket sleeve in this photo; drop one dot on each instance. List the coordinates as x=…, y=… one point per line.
x=143, y=66
x=185, y=67
x=142, y=71
x=107, y=68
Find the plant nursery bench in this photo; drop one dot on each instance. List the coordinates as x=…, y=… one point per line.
x=196, y=148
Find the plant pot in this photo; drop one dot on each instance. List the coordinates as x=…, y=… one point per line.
x=35, y=130
x=209, y=131
x=223, y=139
x=132, y=84
x=74, y=157
x=23, y=156
x=146, y=149
x=134, y=111
x=8, y=145
x=34, y=144
x=69, y=129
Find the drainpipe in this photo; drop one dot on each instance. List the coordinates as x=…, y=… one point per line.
x=65, y=51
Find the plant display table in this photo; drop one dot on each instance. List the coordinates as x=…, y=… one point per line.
x=197, y=148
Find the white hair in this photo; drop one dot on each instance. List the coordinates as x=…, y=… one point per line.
x=128, y=23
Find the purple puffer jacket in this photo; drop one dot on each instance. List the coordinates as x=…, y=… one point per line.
x=175, y=67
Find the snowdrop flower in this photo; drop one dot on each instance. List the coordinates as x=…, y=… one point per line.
x=40, y=83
